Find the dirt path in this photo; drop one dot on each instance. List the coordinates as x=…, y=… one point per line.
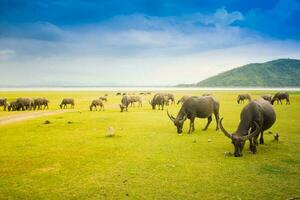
x=27, y=116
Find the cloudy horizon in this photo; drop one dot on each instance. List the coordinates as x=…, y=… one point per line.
x=142, y=42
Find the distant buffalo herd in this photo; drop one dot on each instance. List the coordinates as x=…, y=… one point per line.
x=256, y=117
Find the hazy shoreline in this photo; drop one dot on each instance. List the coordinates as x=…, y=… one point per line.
x=147, y=88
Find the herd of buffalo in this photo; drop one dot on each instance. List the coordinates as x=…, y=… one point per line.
x=256, y=117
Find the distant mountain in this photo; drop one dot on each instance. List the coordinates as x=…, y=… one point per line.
x=276, y=73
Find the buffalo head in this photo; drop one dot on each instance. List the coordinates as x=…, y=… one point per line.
x=177, y=122
x=238, y=140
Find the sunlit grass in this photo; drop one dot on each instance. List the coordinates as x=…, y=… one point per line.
x=145, y=159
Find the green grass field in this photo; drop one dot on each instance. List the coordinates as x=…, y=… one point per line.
x=146, y=159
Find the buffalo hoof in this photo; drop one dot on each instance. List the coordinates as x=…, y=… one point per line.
x=253, y=149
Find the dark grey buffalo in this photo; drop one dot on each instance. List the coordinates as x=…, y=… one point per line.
x=103, y=98
x=12, y=106
x=242, y=97
x=196, y=107
x=95, y=103
x=3, y=102
x=169, y=97
x=40, y=103
x=281, y=96
x=255, y=118
x=183, y=99
x=24, y=104
x=136, y=99
x=125, y=101
x=67, y=101
x=118, y=93
x=158, y=100
x=267, y=97
x=37, y=103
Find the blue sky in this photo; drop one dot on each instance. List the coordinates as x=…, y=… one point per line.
x=140, y=42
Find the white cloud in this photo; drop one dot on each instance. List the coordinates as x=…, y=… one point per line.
x=136, y=50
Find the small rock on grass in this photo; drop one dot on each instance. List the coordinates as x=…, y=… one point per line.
x=47, y=122
x=110, y=132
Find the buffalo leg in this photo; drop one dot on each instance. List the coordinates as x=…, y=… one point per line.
x=192, y=125
x=252, y=147
x=209, y=119
x=261, y=139
x=217, y=120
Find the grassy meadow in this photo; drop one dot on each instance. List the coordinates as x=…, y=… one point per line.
x=146, y=159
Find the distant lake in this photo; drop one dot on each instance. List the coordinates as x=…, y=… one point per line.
x=154, y=88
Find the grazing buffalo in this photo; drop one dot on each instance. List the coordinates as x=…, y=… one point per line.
x=95, y=103
x=267, y=97
x=280, y=96
x=183, y=99
x=37, y=103
x=12, y=106
x=196, y=107
x=103, y=98
x=67, y=101
x=3, y=102
x=255, y=118
x=125, y=101
x=241, y=98
x=158, y=100
x=124, y=93
x=170, y=98
x=118, y=93
x=40, y=103
x=134, y=99
x=24, y=104
x=45, y=103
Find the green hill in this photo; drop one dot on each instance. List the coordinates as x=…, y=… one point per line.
x=276, y=73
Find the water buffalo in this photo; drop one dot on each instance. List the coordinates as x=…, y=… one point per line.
x=95, y=103
x=45, y=103
x=183, y=99
x=158, y=100
x=125, y=101
x=280, y=96
x=103, y=98
x=196, y=107
x=170, y=98
x=118, y=93
x=24, y=104
x=39, y=103
x=241, y=98
x=134, y=99
x=255, y=118
x=267, y=97
x=67, y=101
x=3, y=102
x=12, y=106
